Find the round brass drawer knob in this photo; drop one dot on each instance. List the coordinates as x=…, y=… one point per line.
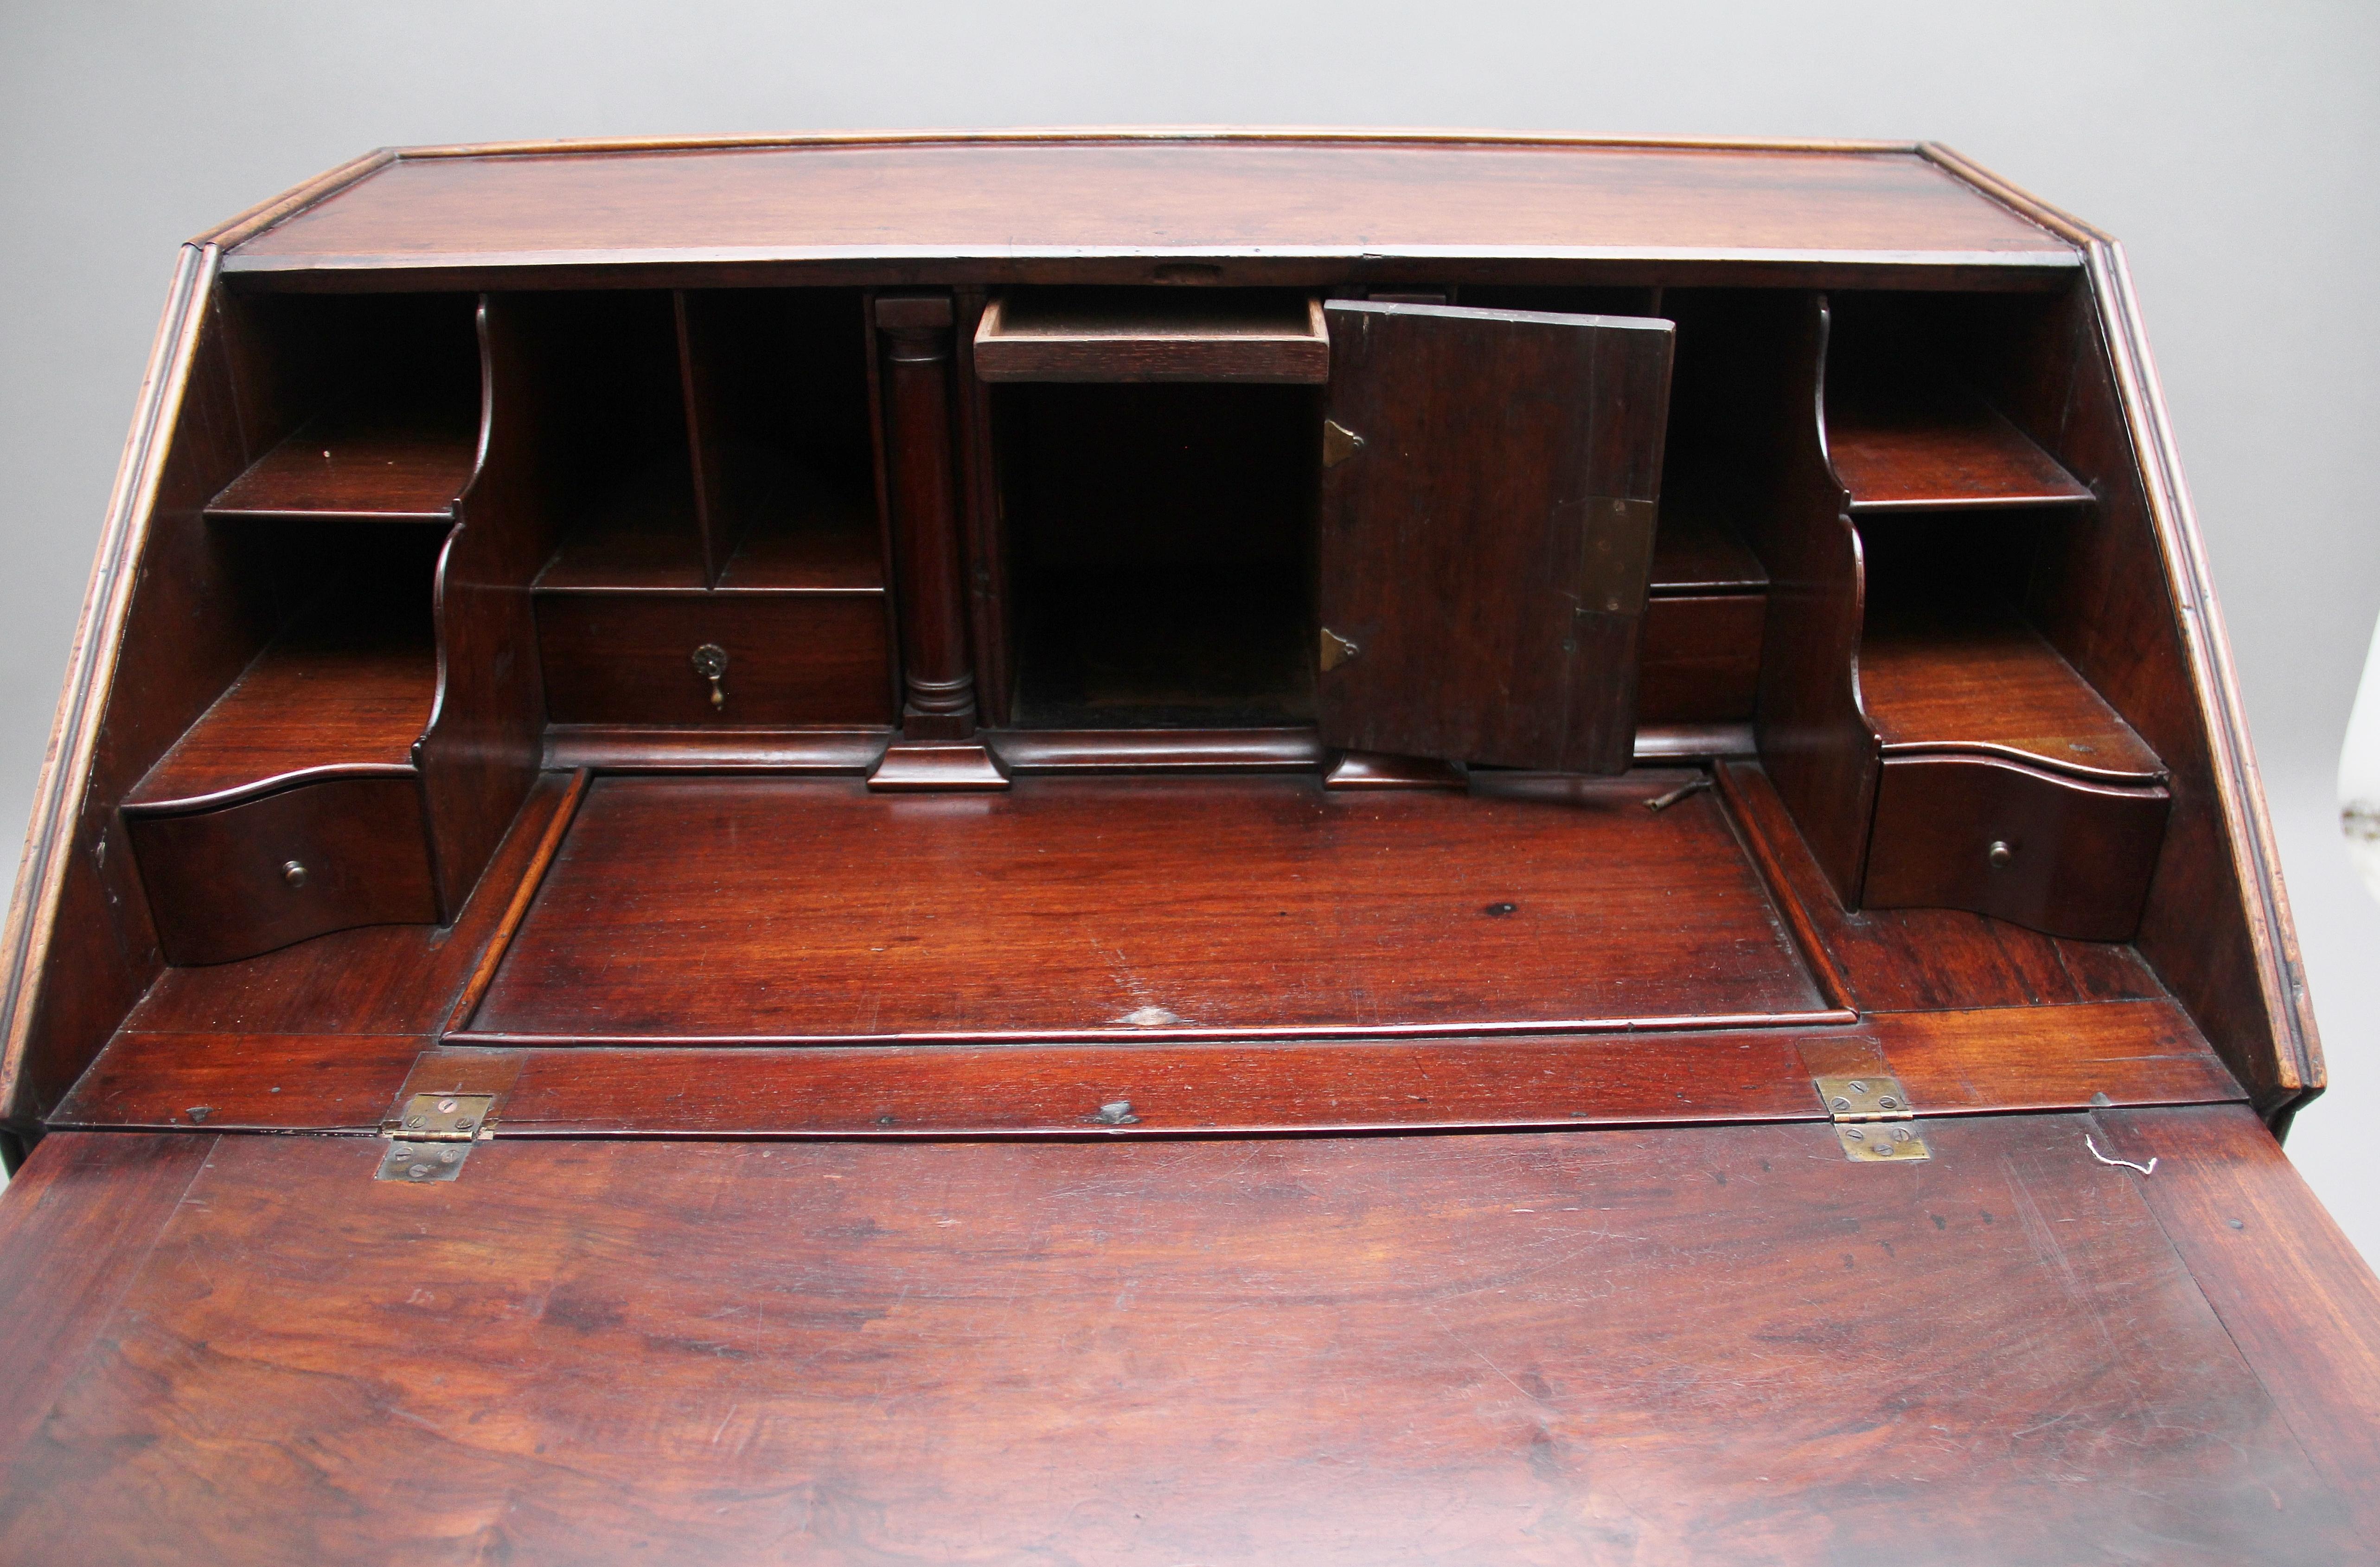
x=2002, y=854
x=294, y=873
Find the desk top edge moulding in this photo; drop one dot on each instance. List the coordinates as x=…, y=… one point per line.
x=978, y=763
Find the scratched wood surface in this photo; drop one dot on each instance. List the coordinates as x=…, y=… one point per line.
x=2141, y=1052
x=1677, y=1344
x=776, y=909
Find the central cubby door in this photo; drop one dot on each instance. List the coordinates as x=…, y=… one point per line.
x=1491, y=480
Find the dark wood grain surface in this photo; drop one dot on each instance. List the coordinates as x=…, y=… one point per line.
x=1698, y=659
x=2107, y=593
x=369, y=468
x=237, y=1080
x=161, y=634
x=728, y=748
x=383, y=979
x=2049, y=852
x=792, y=659
x=840, y=552
x=1815, y=742
x=1992, y=683
x=1940, y=455
x=1031, y=1177
x=1924, y=958
x=248, y=878
x=1202, y=195
x=77, y=1226
x=706, y=908
x=1487, y=610
x=922, y=489
x=2291, y=1289
x=308, y=704
x=1969, y=1062
x=1372, y=1350
x=1153, y=334
x=1693, y=553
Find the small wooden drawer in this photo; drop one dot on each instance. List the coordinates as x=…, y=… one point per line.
x=630, y=656
x=1698, y=658
x=246, y=878
x=1128, y=335
x=2054, y=854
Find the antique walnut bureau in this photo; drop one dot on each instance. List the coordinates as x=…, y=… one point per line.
x=1170, y=847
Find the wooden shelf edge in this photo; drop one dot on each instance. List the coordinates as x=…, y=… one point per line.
x=136, y=804
x=2127, y=782
x=1928, y=695
x=1952, y=457
x=1583, y=1027
x=624, y=748
x=342, y=467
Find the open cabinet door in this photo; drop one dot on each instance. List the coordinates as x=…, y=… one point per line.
x=1488, y=494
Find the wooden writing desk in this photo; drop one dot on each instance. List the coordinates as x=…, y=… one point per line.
x=1117, y=848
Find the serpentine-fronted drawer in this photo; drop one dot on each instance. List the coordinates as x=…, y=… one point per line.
x=244, y=879
x=2055, y=854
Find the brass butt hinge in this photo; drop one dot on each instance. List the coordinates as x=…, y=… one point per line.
x=1873, y=1119
x=430, y=1135
x=1339, y=443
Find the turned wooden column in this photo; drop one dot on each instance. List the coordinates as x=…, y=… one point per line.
x=938, y=676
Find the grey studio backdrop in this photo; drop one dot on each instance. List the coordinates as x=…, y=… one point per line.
x=2232, y=147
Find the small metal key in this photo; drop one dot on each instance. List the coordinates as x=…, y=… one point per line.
x=711, y=663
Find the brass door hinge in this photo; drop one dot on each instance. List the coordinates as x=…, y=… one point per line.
x=430, y=1135
x=1339, y=443
x=1873, y=1118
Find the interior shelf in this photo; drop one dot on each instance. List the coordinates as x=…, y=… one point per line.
x=1695, y=554
x=356, y=467
x=1985, y=680
x=364, y=692
x=1940, y=453
x=1140, y=335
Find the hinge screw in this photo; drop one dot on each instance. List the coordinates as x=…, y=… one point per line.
x=1859, y=1088
x=1887, y=1102
x=419, y=1171
x=414, y=1119
x=1843, y=1104
x=463, y=1124
x=445, y=1105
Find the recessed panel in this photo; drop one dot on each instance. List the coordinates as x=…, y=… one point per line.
x=786, y=909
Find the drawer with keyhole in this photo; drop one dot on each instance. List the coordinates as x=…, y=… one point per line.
x=715, y=659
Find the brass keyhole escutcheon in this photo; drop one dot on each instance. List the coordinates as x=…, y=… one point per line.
x=711, y=663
